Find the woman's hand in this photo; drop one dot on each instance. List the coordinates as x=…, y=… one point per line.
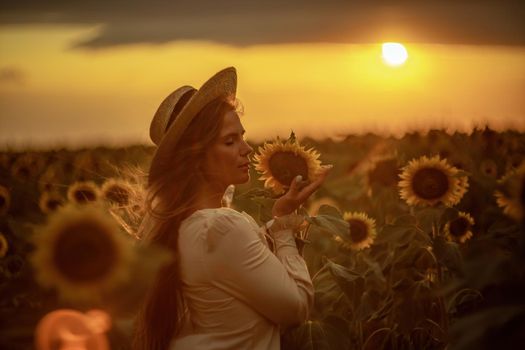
x=298, y=193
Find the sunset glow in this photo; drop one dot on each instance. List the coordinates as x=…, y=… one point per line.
x=81, y=96
x=394, y=54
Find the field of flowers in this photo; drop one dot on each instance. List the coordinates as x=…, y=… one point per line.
x=412, y=243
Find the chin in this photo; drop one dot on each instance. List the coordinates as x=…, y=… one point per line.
x=243, y=180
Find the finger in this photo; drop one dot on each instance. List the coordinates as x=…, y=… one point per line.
x=312, y=187
x=294, y=186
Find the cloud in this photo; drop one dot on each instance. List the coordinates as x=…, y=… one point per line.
x=241, y=23
x=11, y=76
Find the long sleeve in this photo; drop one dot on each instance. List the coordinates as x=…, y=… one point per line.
x=277, y=286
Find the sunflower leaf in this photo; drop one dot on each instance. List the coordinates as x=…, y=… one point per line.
x=330, y=224
x=448, y=254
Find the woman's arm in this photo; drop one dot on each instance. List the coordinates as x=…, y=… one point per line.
x=279, y=287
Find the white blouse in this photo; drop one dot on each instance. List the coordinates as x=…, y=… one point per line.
x=238, y=292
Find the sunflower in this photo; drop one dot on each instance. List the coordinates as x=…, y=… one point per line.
x=511, y=192
x=428, y=181
x=459, y=229
x=4, y=246
x=117, y=191
x=362, y=231
x=489, y=168
x=5, y=200
x=50, y=201
x=82, y=192
x=81, y=253
x=280, y=162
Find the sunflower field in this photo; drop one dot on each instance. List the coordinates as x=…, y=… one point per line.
x=415, y=242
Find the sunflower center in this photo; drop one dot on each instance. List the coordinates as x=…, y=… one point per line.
x=85, y=196
x=285, y=166
x=117, y=194
x=458, y=227
x=430, y=183
x=84, y=252
x=358, y=230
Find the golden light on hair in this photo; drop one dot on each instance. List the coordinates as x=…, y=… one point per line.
x=362, y=231
x=429, y=181
x=280, y=162
x=459, y=229
x=81, y=252
x=82, y=192
x=117, y=191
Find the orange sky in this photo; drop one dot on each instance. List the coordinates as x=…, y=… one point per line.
x=51, y=94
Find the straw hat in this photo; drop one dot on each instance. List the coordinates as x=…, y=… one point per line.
x=166, y=129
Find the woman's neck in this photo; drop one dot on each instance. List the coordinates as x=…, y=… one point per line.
x=209, y=197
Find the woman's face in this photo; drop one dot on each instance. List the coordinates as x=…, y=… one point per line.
x=227, y=160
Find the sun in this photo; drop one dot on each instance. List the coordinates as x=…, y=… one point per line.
x=394, y=54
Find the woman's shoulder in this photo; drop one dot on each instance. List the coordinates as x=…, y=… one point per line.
x=224, y=217
x=217, y=223
x=218, y=216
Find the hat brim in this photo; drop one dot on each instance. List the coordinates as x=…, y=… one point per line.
x=160, y=119
x=222, y=84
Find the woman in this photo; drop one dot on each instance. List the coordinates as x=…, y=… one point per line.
x=225, y=289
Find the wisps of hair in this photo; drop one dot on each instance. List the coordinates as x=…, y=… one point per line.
x=169, y=200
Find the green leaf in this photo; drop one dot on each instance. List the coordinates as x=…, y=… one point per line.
x=327, y=334
x=331, y=224
x=448, y=254
x=351, y=283
x=328, y=210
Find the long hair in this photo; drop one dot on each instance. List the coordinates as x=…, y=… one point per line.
x=169, y=200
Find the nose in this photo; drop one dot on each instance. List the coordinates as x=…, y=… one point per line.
x=247, y=149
